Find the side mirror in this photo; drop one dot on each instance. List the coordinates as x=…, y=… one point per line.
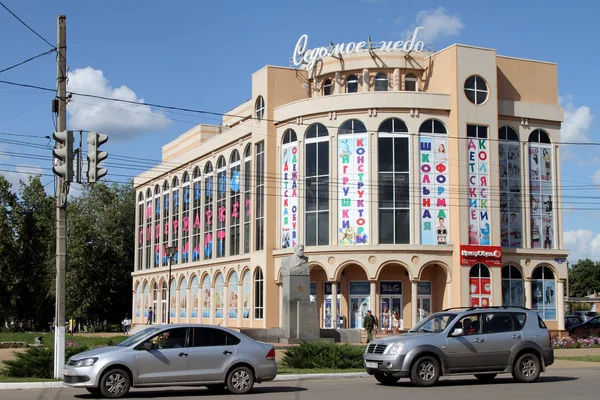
x=148, y=346
x=457, y=332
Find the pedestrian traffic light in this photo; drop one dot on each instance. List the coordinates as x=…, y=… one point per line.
x=95, y=157
x=63, y=152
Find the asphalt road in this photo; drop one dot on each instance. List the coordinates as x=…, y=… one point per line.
x=581, y=384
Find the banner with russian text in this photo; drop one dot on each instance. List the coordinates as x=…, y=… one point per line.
x=289, y=197
x=353, y=192
x=479, y=191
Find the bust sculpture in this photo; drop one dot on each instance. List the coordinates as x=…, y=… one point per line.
x=297, y=263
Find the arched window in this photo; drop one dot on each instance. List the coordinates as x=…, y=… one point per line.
x=260, y=108
x=541, y=182
x=185, y=218
x=147, y=303
x=481, y=286
x=196, y=220
x=154, y=302
x=138, y=301
x=352, y=127
x=175, y=223
x=173, y=299
x=248, y=182
x=194, y=296
x=234, y=201
x=316, y=173
x=543, y=296
x=259, y=221
x=289, y=189
x=410, y=83
x=221, y=206
x=163, y=303
x=165, y=224
x=435, y=190
x=141, y=230
x=381, y=82
x=394, y=182
x=512, y=287
x=219, y=292
x=246, y=294
x=208, y=211
x=157, y=226
x=258, y=293
x=352, y=84
x=233, y=296
x=183, y=290
x=206, y=297
x=510, y=187
x=148, y=235
x=327, y=87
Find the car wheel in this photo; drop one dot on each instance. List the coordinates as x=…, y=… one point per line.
x=527, y=368
x=387, y=380
x=425, y=372
x=115, y=383
x=94, y=391
x=240, y=380
x=485, y=377
x=216, y=388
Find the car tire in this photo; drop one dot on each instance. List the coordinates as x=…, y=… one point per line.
x=485, y=377
x=527, y=368
x=115, y=383
x=387, y=380
x=94, y=392
x=425, y=372
x=240, y=380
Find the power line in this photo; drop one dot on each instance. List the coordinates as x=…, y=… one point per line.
x=28, y=60
x=27, y=26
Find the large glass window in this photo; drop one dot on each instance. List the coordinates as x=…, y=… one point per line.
x=148, y=229
x=543, y=286
x=352, y=84
x=316, y=173
x=157, y=228
x=138, y=300
x=197, y=216
x=221, y=206
x=246, y=294
x=327, y=87
x=219, y=293
x=163, y=303
x=154, y=302
x=234, y=201
x=260, y=108
x=435, y=189
x=394, y=182
x=248, y=181
x=541, y=190
x=289, y=189
x=410, y=83
x=512, y=287
x=206, y=297
x=260, y=197
x=480, y=283
x=165, y=224
x=173, y=299
x=185, y=218
x=208, y=211
x=478, y=167
x=175, y=223
x=141, y=230
x=183, y=292
x=476, y=89
x=258, y=293
x=195, y=298
x=381, y=82
x=510, y=187
x=232, y=303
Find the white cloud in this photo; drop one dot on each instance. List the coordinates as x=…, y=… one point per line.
x=577, y=123
x=582, y=243
x=118, y=120
x=596, y=177
x=22, y=173
x=586, y=163
x=437, y=23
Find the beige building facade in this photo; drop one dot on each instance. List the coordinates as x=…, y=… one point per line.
x=416, y=182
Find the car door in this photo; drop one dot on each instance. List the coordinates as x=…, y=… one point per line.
x=466, y=352
x=503, y=333
x=212, y=353
x=163, y=358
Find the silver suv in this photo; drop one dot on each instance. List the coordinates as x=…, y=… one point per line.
x=457, y=341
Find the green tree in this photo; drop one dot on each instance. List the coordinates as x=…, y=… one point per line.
x=100, y=256
x=8, y=202
x=584, y=278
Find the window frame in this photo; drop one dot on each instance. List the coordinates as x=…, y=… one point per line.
x=327, y=87
x=475, y=90
x=259, y=108
x=258, y=293
x=412, y=78
x=382, y=82
x=352, y=79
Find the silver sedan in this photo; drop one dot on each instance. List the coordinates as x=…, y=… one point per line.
x=174, y=355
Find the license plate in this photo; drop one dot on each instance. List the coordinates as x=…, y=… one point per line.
x=65, y=371
x=371, y=364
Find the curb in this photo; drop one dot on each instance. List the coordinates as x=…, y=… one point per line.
x=30, y=385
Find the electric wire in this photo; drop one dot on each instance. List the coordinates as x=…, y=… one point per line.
x=26, y=61
x=27, y=26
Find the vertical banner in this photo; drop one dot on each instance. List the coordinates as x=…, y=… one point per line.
x=541, y=181
x=510, y=194
x=353, y=192
x=435, y=223
x=246, y=290
x=289, y=198
x=479, y=191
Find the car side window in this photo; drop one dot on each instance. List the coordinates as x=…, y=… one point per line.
x=471, y=324
x=520, y=319
x=595, y=321
x=498, y=322
x=208, y=337
x=169, y=339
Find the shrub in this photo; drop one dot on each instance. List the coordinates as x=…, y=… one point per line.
x=36, y=362
x=324, y=355
x=575, y=343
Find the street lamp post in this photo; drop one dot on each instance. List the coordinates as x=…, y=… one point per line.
x=170, y=252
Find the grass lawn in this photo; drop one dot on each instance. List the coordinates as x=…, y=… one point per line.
x=581, y=358
x=48, y=338
x=8, y=379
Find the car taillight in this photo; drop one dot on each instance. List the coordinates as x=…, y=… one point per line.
x=271, y=354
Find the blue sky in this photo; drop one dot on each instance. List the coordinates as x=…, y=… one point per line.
x=200, y=55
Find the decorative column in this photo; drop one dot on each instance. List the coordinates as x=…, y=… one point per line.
x=240, y=304
x=226, y=304
x=213, y=308
x=366, y=80
x=528, y=299
x=334, y=310
x=414, y=306
x=372, y=293
x=337, y=84
x=560, y=304
x=396, y=80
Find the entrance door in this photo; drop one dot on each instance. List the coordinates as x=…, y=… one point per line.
x=389, y=305
x=424, y=307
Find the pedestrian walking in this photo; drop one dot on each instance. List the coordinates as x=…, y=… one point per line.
x=149, y=322
x=126, y=325
x=369, y=324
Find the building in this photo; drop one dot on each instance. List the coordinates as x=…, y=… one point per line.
x=417, y=181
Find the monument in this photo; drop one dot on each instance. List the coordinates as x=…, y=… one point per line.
x=300, y=315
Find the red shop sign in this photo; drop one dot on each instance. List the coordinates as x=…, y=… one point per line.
x=488, y=255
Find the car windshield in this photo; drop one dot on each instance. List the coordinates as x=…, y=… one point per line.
x=434, y=323
x=135, y=338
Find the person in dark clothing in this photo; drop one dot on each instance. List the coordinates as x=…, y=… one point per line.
x=369, y=324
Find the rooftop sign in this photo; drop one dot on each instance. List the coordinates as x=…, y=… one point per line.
x=310, y=57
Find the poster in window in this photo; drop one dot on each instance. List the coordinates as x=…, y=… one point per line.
x=550, y=314
x=138, y=301
x=479, y=191
x=289, y=195
x=549, y=294
x=510, y=194
x=173, y=300
x=516, y=293
x=384, y=317
x=183, y=298
x=195, y=299
x=506, y=300
x=474, y=301
x=486, y=286
x=537, y=300
x=474, y=286
x=206, y=298
x=246, y=289
x=485, y=302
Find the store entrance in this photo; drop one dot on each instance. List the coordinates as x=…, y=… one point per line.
x=423, y=300
x=390, y=302
x=328, y=306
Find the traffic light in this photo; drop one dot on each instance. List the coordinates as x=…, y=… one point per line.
x=63, y=152
x=95, y=157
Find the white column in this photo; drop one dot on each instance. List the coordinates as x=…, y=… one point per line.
x=226, y=305
x=212, y=304
x=337, y=84
x=560, y=304
x=366, y=80
x=413, y=303
x=372, y=293
x=528, y=301
x=334, y=310
x=396, y=80
x=280, y=288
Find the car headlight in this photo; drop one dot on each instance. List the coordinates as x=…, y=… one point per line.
x=86, y=362
x=394, y=348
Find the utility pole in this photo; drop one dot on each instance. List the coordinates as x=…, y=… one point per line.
x=62, y=189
